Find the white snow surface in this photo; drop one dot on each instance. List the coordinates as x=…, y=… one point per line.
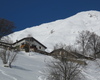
x=28, y=66
x=62, y=31
x=32, y=66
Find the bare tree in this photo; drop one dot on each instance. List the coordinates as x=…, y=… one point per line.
x=59, y=46
x=70, y=48
x=7, y=52
x=6, y=27
x=8, y=56
x=89, y=43
x=62, y=67
x=82, y=40
x=12, y=57
x=94, y=44
x=64, y=70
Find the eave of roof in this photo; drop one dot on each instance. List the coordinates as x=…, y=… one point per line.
x=6, y=43
x=30, y=38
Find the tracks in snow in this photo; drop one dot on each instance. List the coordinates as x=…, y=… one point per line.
x=3, y=72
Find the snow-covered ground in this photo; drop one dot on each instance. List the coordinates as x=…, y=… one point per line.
x=26, y=67
x=32, y=66
x=92, y=70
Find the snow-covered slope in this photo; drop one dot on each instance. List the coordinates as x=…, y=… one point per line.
x=26, y=67
x=62, y=31
x=34, y=67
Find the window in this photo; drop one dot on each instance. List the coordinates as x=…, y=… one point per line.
x=39, y=47
x=22, y=43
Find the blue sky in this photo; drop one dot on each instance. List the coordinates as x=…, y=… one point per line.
x=28, y=13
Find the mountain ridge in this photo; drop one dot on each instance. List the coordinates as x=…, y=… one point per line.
x=62, y=31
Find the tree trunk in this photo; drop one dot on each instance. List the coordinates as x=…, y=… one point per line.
x=10, y=65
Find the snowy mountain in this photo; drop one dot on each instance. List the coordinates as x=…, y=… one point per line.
x=62, y=31
x=31, y=66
